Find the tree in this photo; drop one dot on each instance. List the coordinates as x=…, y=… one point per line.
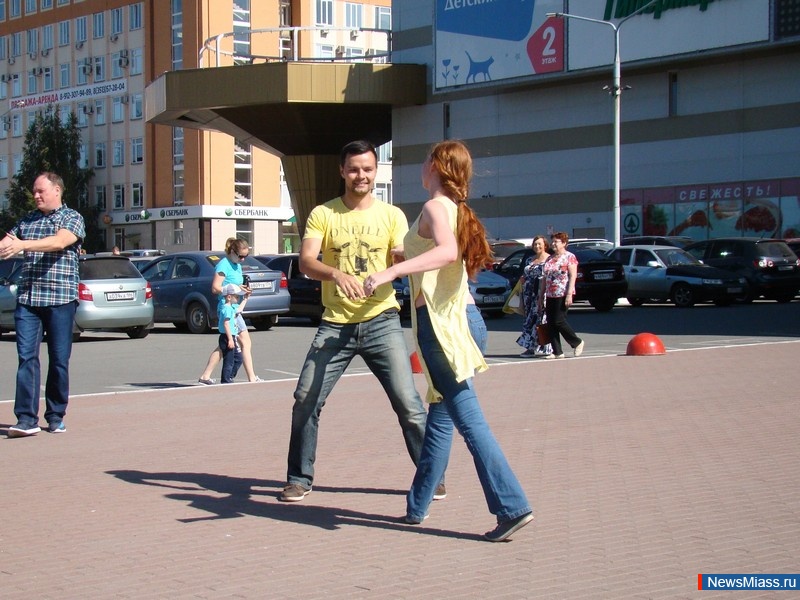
x=51, y=145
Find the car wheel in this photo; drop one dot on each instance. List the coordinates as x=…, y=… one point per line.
x=197, y=318
x=138, y=333
x=266, y=323
x=603, y=304
x=682, y=295
x=635, y=301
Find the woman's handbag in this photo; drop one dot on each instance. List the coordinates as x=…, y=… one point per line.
x=543, y=334
x=513, y=305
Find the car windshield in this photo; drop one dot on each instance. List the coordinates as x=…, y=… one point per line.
x=676, y=256
x=505, y=249
x=107, y=268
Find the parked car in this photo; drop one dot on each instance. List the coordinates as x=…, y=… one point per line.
x=600, y=282
x=503, y=248
x=599, y=244
x=10, y=274
x=112, y=296
x=306, y=293
x=771, y=268
x=679, y=241
x=490, y=292
x=659, y=273
x=182, y=294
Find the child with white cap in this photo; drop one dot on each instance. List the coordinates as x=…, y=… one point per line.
x=229, y=314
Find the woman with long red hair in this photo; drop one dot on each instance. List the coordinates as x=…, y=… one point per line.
x=445, y=246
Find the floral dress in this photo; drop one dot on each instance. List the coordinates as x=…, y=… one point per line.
x=532, y=279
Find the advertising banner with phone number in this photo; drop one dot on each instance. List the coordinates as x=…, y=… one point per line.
x=480, y=41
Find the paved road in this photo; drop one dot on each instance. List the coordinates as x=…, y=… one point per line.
x=104, y=363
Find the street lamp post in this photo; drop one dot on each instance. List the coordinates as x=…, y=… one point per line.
x=616, y=92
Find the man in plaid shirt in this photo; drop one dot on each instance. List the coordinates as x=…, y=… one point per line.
x=47, y=295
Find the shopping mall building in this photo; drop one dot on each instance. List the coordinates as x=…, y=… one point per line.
x=708, y=125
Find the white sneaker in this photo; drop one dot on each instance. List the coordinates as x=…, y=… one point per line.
x=554, y=356
x=579, y=349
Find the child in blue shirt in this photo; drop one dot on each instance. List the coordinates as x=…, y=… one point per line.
x=229, y=331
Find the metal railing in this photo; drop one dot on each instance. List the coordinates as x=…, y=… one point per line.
x=212, y=45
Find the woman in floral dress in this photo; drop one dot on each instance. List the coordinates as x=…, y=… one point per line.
x=534, y=312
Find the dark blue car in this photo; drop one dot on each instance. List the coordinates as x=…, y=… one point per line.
x=181, y=285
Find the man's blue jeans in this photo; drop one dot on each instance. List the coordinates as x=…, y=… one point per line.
x=459, y=407
x=31, y=324
x=380, y=342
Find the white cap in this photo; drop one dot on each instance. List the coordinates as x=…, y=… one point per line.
x=231, y=288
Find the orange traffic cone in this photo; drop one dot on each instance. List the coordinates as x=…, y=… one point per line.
x=416, y=367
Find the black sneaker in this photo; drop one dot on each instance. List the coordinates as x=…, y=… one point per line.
x=22, y=430
x=440, y=493
x=57, y=427
x=293, y=492
x=504, y=530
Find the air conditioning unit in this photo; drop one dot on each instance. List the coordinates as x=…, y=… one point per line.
x=113, y=37
x=11, y=60
x=125, y=99
x=45, y=51
x=123, y=61
x=86, y=69
x=33, y=56
x=78, y=45
x=88, y=109
x=123, y=53
x=339, y=50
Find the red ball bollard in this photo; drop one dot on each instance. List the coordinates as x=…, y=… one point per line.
x=645, y=344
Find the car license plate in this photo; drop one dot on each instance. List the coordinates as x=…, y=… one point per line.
x=603, y=275
x=112, y=296
x=261, y=285
x=785, y=268
x=734, y=290
x=493, y=299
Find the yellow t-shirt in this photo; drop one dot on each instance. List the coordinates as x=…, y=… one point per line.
x=445, y=291
x=357, y=242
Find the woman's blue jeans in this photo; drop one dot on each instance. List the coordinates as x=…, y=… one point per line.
x=459, y=408
x=31, y=322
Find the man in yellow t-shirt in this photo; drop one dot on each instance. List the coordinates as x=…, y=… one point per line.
x=354, y=234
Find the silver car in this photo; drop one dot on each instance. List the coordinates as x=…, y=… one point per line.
x=112, y=296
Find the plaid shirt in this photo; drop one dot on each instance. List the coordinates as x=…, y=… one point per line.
x=50, y=278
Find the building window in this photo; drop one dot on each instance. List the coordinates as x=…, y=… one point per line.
x=98, y=25
x=100, y=196
x=116, y=65
x=2, y=10
x=383, y=17
x=99, y=68
x=177, y=186
x=116, y=21
x=64, y=75
x=3, y=90
x=135, y=16
x=244, y=230
x=63, y=2
x=80, y=29
x=83, y=114
x=32, y=82
x=16, y=125
x=2, y=46
x=14, y=8
x=117, y=113
x=63, y=33
x=136, y=107
x=673, y=94
x=82, y=74
x=30, y=7
x=33, y=41
x=119, y=196
x=353, y=14
x=100, y=111
x=100, y=155
x=119, y=153
x=16, y=86
x=383, y=192
x=177, y=35
x=137, y=151
x=47, y=4
x=324, y=12
x=47, y=79
x=137, y=195
x=47, y=37
x=83, y=159
x=16, y=163
x=177, y=145
x=65, y=111
x=136, y=61
x=3, y=167
x=15, y=41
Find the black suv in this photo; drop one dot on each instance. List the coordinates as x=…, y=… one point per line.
x=771, y=268
x=601, y=280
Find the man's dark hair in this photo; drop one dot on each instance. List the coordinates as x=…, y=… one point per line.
x=356, y=148
x=53, y=178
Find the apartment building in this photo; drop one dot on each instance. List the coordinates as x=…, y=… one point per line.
x=171, y=188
